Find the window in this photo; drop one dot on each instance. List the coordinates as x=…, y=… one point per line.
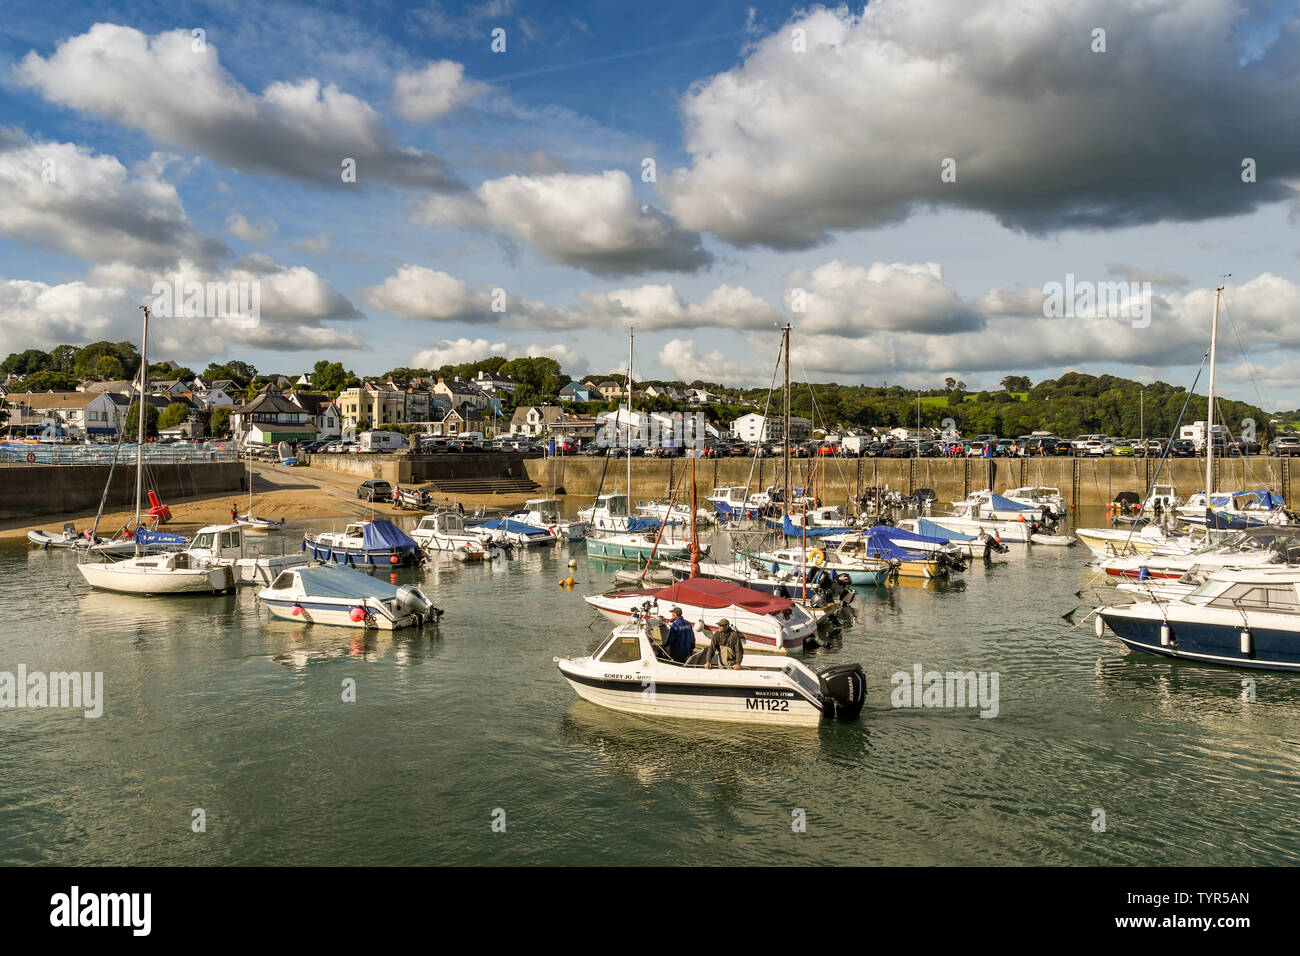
x=622, y=650
x=1259, y=597
x=229, y=539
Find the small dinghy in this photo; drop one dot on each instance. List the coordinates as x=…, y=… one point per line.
x=631, y=672
x=337, y=594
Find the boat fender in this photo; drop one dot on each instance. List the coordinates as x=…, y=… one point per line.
x=1247, y=643
x=1099, y=625
x=1166, y=636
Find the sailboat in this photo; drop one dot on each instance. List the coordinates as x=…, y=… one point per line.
x=181, y=572
x=249, y=521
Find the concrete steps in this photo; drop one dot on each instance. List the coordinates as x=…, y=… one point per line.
x=486, y=486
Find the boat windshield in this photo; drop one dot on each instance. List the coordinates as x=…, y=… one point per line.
x=622, y=649
x=1247, y=595
x=203, y=542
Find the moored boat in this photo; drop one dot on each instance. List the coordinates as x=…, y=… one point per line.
x=341, y=595
x=631, y=672
x=377, y=543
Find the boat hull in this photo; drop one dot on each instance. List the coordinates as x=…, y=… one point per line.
x=336, y=614
x=121, y=578
x=359, y=557
x=657, y=698
x=1219, y=642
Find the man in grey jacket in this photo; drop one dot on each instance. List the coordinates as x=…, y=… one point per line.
x=728, y=644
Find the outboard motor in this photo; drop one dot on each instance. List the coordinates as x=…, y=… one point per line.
x=412, y=600
x=844, y=691
x=993, y=545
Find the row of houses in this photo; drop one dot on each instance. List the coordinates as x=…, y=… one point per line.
x=611, y=391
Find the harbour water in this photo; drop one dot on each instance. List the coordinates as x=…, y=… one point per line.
x=464, y=745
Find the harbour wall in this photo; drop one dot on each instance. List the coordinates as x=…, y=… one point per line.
x=62, y=489
x=1084, y=482
x=402, y=469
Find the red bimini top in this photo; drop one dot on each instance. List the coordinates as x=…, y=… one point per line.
x=710, y=593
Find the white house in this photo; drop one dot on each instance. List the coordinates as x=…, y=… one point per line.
x=754, y=427
x=79, y=414
x=532, y=420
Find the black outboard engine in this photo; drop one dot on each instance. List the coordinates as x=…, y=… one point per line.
x=991, y=545
x=844, y=691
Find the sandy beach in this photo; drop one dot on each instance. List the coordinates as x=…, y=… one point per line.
x=297, y=495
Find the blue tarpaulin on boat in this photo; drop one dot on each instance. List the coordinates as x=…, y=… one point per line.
x=342, y=581
x=642, y=524
x=1222, y=522
x=795, y=531
x=899, y=534
x=381, y=535
x=512, y=527
x=879, y=545
x=928, y=527
x=998, y=503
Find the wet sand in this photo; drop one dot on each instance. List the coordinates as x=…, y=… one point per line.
x=294, y=494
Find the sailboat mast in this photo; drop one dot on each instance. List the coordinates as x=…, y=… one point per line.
x=1209, y=418
x=785, y=349
x=140, y=416
x=631, y=335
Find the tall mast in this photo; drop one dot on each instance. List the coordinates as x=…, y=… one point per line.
x=785, y=349
x=140, y=416
x=631, y=334
x=1209, y=418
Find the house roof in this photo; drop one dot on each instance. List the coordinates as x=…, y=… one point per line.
x=267, y=403
x=57, y=399
x=575, y=386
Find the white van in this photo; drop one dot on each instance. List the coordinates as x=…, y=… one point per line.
x=381, y=441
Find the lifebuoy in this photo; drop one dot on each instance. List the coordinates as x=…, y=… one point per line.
x=31, y=456
x=816, y=556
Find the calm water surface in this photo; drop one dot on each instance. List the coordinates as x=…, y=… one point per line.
x=210, y=704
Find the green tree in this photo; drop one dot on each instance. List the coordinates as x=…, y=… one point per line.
x=25, y=363
x=240, y=372
x=109, y=368
x=173, y=415
x=63, y=358
x=219, y=426
x=50, y=382
x=133, y=420
x=332, y=377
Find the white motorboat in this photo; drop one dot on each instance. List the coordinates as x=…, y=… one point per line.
x=1038, y=497
x=338, y=594
x=514, y=532
x=545, y=513
x=640, y=546
x=1003, y=531
x=851, y=561
x=816, y=587
x=1160, y=499
x=988, y=506
x=1235, y=508
x=768, y=624
x=675, y=513
x=732, y=503
x=444, y=531
x=1254, y=547
x=611, y=512
x=154, y=574
x=631, y=672
x=225, y=544
x=1248, y=618
x=1145, y=539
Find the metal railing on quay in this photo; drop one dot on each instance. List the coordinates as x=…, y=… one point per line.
x=20, y=453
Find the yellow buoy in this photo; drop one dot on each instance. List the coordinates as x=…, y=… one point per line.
x=569, y=582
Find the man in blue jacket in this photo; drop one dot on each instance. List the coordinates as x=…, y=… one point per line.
x=681, y=637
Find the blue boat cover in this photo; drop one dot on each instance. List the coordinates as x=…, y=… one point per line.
x=930, y=529
x=795, y=531
x=998, y=503
x=878, y=544
x=642, y=524
x=342, y=581
x=1223, y=522
x=381, y=535
x=512, y=527
x=901, y=534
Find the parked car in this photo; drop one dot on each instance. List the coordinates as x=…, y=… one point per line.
x=902, y=449
x=1122, y=448
x=1286, y=445
x=1182, y=448
x=375, y=490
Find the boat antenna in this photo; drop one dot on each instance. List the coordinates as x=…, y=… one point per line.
x=785, y=349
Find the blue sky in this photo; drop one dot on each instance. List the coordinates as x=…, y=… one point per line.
x=798, y=153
